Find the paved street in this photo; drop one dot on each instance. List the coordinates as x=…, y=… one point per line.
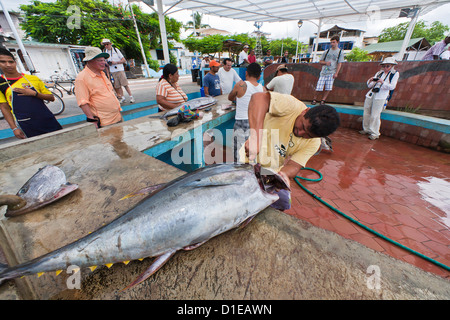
x=142, y=90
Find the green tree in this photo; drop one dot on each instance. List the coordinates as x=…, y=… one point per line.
x=196, y=22
x=357, y=54
x=288, y=44
x=435, y=32
x=48, y=22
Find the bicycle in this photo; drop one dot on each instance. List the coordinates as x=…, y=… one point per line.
x=57, y=106
x=57, y=80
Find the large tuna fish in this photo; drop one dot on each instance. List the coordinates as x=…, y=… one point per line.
x=183, y=214
x=194, y=104
x=44, y=187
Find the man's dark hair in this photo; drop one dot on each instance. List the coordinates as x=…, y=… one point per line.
x=5, y=52
x=227, y=59
x=335, y=38
x=324, y=120
x=254, y=70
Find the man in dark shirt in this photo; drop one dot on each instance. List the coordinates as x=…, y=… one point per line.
x=211, y=82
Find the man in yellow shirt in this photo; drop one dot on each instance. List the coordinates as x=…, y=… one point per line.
x=94, y=92
x=22, y=100
x=285, y=134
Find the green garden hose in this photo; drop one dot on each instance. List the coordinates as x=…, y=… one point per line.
x=297, y=178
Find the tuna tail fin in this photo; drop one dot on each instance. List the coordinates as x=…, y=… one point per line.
x=156, y=265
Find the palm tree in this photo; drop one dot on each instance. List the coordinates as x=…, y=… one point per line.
x=196, y=23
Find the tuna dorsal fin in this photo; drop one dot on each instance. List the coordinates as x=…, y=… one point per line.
x=144, y=191
x=156, y=265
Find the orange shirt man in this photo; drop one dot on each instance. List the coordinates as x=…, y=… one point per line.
x=95, y=93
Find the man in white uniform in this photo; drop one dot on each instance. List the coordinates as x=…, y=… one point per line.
x=243, y=57
x=117, y=70
x=228, y=76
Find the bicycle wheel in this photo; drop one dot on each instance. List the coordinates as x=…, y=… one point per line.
x=57, y=106
x=55, y=90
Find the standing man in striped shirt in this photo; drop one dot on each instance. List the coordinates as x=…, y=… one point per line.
x=169, y=95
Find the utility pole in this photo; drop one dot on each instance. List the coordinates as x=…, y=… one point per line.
x=139, y=39
x=25, y=55
x=258, y=49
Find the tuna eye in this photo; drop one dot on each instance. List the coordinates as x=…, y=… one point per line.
x=23, y=190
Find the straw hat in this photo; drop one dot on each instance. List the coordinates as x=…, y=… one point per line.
x=282, y=67
x=93, y=53
x=389, y=60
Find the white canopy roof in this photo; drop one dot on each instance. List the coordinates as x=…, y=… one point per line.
x=329, y=11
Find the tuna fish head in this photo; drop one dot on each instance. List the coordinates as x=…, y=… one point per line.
x=45, y=186
x=268, y=180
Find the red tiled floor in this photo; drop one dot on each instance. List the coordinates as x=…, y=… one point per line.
x=395, y=188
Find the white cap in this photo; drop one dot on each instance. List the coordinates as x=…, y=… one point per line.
x=389, y=60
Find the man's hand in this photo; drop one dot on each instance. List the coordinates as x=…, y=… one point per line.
x=19, y=133
x=25, y=91
x=285, y=178
x=252, y=146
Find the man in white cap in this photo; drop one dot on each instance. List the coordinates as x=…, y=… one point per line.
x=243, y=57
x=94, y=92
x=381, y=87
x=117, y=70
x=283, y=81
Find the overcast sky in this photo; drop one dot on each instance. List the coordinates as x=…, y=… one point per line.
x=281, y=29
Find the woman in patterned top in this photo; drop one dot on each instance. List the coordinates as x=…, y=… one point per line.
x=168, y=93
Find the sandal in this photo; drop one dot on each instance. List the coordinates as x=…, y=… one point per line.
x=313, y=102
x=322, y=101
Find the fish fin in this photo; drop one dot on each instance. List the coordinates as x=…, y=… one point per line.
x=246, y=222
x=194, y=246
x=155, y=266
x=144, y=191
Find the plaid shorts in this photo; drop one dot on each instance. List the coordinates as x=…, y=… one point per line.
x=326, y=81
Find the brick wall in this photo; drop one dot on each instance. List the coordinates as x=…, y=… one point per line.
x=424, y=84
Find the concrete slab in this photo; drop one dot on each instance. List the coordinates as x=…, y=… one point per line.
x=275, y=257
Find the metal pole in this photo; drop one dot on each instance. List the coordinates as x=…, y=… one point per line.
x=296, y=50
x=317, y=40
x=408, y=34
x=19, y=41
x=139, y=39
x=162, y=26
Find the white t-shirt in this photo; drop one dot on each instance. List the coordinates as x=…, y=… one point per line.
x=228, y=79
x=243, y=56
x=115, y=55
x=282, y=84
